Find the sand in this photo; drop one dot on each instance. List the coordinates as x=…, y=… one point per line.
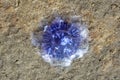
x=19, y=59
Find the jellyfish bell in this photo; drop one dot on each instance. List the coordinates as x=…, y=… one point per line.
x=62, y=41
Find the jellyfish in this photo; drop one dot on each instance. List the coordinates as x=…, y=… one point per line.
x=61, y=40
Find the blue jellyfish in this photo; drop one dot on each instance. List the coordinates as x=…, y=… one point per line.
x=61, y=41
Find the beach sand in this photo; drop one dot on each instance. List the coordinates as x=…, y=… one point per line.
x=19, y=59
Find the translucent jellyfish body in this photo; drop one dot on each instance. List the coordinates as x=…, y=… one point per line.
x=61, y=41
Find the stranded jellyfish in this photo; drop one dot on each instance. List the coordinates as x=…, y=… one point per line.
x=61, y=40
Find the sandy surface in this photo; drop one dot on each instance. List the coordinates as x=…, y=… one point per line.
x=18, y=58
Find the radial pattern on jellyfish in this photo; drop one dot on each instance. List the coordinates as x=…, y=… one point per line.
x=62, y=41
